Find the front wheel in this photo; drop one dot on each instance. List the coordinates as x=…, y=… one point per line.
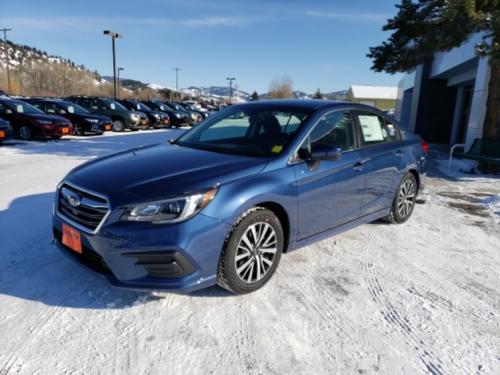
x=252, y=252
x=25, y=133
x=404, y=201
x=118, y=126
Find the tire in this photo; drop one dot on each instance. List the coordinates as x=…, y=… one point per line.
x=404, y=200
x=78, y=130
x=118, y=125
x=255, y=264
x=25, y=133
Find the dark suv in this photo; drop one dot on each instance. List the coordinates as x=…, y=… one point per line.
x=176, y=118
x=194, y=117
x=83, y=121
x=121, y=116
x=157, y=119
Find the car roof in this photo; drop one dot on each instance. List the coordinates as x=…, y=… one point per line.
x=298, y=104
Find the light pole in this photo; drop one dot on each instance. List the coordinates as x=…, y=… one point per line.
x=177, y=79
x=231, y=89
x=6, y=47
x=113, y=36
x=119, y=70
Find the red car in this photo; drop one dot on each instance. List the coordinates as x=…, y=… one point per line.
x=29, y=122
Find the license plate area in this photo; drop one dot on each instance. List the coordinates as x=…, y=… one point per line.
x=71, y=238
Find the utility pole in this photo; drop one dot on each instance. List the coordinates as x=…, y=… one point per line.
x=113, y=36
x=177, y=79
x=231, y=89
x=119, y=70
x=6, y=50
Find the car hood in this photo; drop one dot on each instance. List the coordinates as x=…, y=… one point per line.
x=95, y=117
x=160, y=171
x=54, y=118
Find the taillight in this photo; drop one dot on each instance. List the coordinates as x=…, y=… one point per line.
x=425, y=146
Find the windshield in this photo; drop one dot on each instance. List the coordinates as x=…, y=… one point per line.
x=111, y=104
x=162, y=107
x=140, y=107
x=177, y=107
x=72, y=108
x=22, y=107
x=245, y=131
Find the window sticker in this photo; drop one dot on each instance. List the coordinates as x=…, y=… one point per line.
x=392, y=130
x=71, y=109
x=19, y=108
x=371, y=127
x=276, y=149
x=112, y=106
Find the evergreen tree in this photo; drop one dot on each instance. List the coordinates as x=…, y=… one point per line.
x=424, y=27
x=318, y=95
x=254, y=96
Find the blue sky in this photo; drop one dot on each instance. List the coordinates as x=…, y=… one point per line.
x=319, y=44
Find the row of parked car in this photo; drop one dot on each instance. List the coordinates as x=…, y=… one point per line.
x=55, y=117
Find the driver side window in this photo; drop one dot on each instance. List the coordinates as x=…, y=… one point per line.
x=334, y=129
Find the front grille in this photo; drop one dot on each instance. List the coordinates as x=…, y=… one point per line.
x=88, y=257
x=81, y=207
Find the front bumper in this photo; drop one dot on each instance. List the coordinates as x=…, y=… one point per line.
x=179, y=257
x=49, y=131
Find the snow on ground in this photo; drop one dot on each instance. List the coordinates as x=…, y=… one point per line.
x=416, y=298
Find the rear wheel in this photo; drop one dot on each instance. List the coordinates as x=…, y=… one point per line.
x=252, y=252
x=404, y=201
x=118, y=126
x=25, y=133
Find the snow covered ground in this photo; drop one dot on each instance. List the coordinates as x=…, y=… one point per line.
x=422, y=297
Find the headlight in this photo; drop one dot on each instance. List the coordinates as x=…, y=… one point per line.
x=178, y=115
x=134, y=116
x=44, y=122
x=157, y=116
x=169, y=210
x=92, y=120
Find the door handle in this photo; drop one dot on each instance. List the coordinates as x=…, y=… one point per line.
x=399, y=154
x=358, y=167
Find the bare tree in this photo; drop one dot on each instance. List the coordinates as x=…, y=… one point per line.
x=281, y=88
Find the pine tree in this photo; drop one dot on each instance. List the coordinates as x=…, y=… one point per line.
x=254, y=96
x=318, y=95
x=424, y=27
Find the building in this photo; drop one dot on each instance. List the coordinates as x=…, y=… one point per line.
x=444, y=100
x=382, y=97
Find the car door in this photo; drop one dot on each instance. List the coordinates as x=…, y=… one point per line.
x=384, y=155
x=330, y=193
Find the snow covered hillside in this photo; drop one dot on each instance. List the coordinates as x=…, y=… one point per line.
x=416, y=298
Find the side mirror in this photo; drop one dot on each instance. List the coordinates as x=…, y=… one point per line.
x=326, y=152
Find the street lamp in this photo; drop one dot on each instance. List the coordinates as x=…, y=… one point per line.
x=6, y=47
x=231, y=89
x=119, y=70
x=177, y=79
x=113, y=36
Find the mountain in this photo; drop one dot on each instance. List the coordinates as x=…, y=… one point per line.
x=36, y=72
x=215, y=92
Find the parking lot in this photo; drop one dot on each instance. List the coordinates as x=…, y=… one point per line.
x=421, y=297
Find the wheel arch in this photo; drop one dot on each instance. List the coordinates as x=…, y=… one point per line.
x=282, y=216
x=415, y=174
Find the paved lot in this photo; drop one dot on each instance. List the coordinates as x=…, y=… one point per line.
x=421, y=297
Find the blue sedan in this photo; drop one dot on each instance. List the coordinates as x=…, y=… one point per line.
x=223, y=202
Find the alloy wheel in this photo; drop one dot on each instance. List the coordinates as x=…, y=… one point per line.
x=256, y=252
x=25, y=132
x=406, y=198
x=118, y=126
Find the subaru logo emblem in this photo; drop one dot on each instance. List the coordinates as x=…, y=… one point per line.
x=73, y=200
